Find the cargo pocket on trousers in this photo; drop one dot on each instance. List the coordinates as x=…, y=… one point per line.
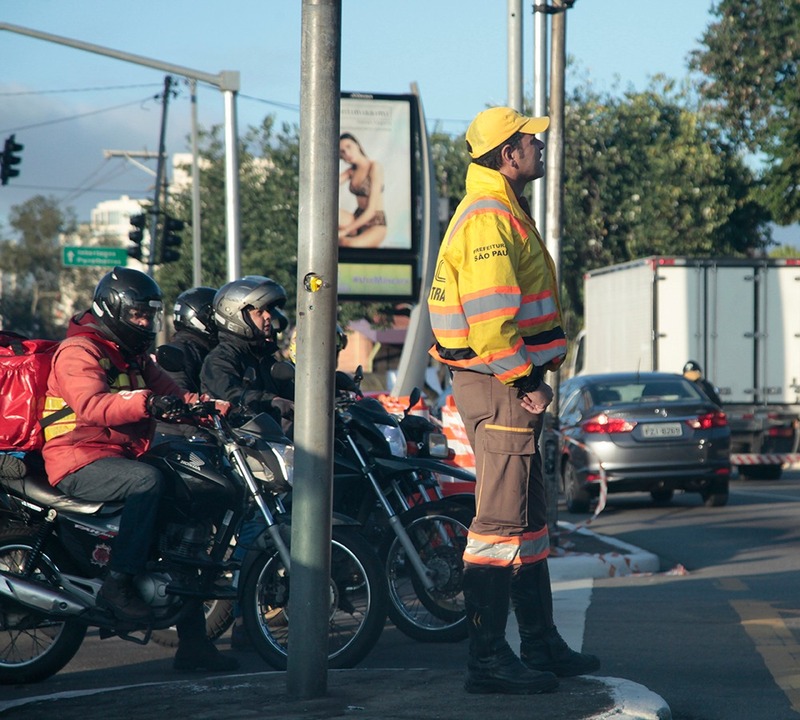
x=508, y=455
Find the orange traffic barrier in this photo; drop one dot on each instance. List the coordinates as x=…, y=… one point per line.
x=456, y=434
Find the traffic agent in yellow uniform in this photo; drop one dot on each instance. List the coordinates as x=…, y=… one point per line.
x=496, y=318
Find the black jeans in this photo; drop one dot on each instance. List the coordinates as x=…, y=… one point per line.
x=139, y=487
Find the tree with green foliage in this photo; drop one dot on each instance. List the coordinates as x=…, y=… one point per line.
x=751, y=59
x=650, y=174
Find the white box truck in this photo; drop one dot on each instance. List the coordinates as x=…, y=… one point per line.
x=738, y=318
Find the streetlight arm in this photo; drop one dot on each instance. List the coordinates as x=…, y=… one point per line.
x=225, y=80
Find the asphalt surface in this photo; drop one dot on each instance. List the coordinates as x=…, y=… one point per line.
x=389, y=694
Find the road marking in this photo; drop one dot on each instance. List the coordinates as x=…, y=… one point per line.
x=775, y=643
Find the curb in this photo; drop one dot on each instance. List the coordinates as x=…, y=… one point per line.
x=633, y=702
x=567, y=565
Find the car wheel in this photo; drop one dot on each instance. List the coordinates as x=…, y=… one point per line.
x=662, y=496
x=716, y=494
x=761, y=472
x=577, y=497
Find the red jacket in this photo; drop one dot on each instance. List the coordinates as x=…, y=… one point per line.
x=110, y=419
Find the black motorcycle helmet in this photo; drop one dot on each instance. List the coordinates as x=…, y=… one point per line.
x=234, y=300
x=119, y=297
x=692, y=366
x=194, y=311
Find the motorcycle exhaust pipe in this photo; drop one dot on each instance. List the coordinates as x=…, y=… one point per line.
x=40, y=597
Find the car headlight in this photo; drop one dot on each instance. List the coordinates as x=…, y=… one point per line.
x=396, y=440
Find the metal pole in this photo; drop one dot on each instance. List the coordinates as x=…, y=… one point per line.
x=160, y=182
x=515, y=94
x=232, y=187
x=317, y=288
x=414, y=357
x=197, y=265
x=539, y=204
x=554, y=176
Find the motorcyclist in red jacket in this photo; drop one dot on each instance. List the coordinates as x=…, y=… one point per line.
x=102, y=372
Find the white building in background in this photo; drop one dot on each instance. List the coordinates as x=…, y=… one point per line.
x=111, y=218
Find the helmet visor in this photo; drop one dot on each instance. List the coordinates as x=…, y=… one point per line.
x=145, y=315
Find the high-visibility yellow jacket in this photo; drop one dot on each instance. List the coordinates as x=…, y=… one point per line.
x=493, y=302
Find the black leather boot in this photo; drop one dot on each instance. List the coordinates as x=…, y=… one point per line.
x=195, y=650
x=493, y=667
x=541, y=646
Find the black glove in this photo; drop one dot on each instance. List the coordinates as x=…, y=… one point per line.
x=165, y=407
x=284, y=407
x=529, y=383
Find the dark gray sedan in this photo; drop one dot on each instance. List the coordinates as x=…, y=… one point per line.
x=651, y=432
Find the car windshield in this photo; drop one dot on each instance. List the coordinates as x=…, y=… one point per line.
x=661, y=390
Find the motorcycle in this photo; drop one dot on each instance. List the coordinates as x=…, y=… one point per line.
x=397, y=500
x=54, y=552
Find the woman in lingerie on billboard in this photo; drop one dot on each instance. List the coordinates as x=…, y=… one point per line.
x=366, y=227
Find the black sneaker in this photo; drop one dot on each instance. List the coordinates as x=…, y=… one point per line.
x=118, y=595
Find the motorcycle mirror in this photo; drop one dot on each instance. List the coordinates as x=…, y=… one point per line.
x=413, y=399
x=282, y=371
x=358, y=375
x=170, y=358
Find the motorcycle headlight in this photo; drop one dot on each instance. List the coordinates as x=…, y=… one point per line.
x=275, y=467
x=396, y=440
x=285, y=457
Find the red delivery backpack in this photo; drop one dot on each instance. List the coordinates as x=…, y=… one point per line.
x=24, y=369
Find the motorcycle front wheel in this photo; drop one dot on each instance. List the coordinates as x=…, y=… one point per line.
x=357, y=603
x=33, y=646
x=438, y=531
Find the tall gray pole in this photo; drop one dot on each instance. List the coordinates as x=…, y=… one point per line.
x=419, y=336
x=554, y=176
x=539, y=203
x=197, y=263
x=232, y=186
x=317, y=286
x=515, y=89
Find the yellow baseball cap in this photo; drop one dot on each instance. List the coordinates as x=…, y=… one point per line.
x=492, y=127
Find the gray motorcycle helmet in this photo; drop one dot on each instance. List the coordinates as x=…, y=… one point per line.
x=233, y=301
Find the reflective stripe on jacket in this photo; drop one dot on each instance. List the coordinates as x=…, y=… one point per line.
x=493, y=301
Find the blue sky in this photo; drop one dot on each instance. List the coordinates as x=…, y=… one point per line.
x=68, y=106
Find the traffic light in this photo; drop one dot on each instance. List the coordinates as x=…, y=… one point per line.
x=136, y=236
x=170, y=239
x=9, y=159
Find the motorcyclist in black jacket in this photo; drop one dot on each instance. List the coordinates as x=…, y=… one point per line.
x=247, y=314
x=195, y=333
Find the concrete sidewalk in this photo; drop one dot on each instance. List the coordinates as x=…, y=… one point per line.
x=397, y=694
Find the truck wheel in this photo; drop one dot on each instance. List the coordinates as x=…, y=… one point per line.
x=716, y=494
x=577, y=498
x=761, y=472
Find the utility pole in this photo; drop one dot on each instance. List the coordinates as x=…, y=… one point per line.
x=317, y=289
x=554, y=175
x=161, y=186
x=538, y=203
x=516, y=97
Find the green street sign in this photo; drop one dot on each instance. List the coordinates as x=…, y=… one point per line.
x=93, y=256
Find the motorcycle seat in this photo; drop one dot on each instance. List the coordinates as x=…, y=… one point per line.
x=37, y=488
